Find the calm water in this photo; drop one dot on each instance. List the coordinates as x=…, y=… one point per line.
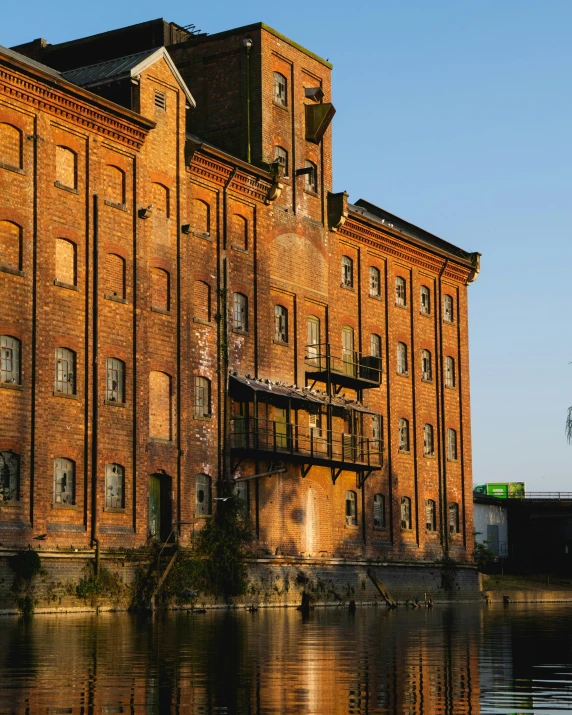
x=446, y=660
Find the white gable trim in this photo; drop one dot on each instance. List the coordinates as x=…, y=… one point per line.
x=162, y=53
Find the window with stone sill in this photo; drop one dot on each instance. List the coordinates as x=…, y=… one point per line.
x=406, y=513
x=402, y=367
x=281, y=158
x=430, y=515
x=400, y=292
x=240, y=312
x=115, y=380
x=448, y=309
x=9, y=477
x=114, y=486
x=280, y=324
x=280, y=89
x=347, y=272
x=451, y=444
x=403, y=428
x=449, y=372
x=311, y=178
x=425, y=296
x=66, y=167
x=9, y=360
x=65, y=376
x=428, y=448
x=454, y=518
x=10, y=146
x=374, y=282
x=64, y=481
x=426, y=365
x=202, y=396
x=379, y=511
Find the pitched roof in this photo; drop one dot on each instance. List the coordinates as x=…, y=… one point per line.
x=22, y=58
x=126, y=67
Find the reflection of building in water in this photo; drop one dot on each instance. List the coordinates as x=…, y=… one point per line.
x=405, y=662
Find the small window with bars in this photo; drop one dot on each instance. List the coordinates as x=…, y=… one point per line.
x=280, y=324
x=347, y=272
x=403, y=427
x=240, y=312
x=378, y=511
x=428, y=448
x=351, y=508
x=430, y=515
x=448, y=309
x=280, y=87
x=281, y=158
x=65, y=382
x=374, y=282
x=9, y=476
x=114, y=486
x=9, y=360
x=160, y=100
x=405, y=513
x=426, y=366
x=115, y=385
x=202, y=397
x=425, y=300
x=400, y=292
x=64, y=481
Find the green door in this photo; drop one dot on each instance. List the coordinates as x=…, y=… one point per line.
x=154, y=507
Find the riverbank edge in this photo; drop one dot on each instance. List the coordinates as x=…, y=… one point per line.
x=527, y=596
x=273, y=581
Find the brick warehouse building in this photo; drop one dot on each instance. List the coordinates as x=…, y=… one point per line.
x=185, y=302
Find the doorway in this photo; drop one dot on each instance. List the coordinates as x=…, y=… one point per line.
x=160, y=516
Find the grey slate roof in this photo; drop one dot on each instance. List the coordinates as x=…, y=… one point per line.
x=108, y=71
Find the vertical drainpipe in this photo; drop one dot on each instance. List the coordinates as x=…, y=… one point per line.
x=360, y=351
x=247, y=42
x=414, y=412
x=461, y=443
x=388, y=409
x=443, y=447
x=36, y=140
x=223, y=338
x=134, y=352
x=178, y=189
x=95, y=376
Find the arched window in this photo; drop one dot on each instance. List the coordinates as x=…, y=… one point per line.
x=66, y=262
x=453, y=518
x=451, y=444
x=425, y=300
x=65, y=383
x=374, y=282
x=347, y=272
x=430, y=515
x=311, y=180
x=351, y=508
x=405, y=513
x=239, y=232
x=160, y=200
x=403, y=427
x=9, y=360
x=115, y=184
x=160, y=405
x=428, y=448
x=10, y=146
x=281, y=158
x=66, y=167
x=114, y=276
x=9, y=476
x=349, y=363
x=64, y=481
x=426, y=365
x=160, y=289
x=280, y=324
x=313, y=346
x=448, y=310
x=114, y=486
x=402, y=367
x=375, y=345
x=240, y=312
x=449, y=371
x=10, y=245
x=280, y=89
x=201, y=218
x=202, y=301
x=203, y=490
x=202, y=397
x=378, y=511
x=400, y=291
x=115, y=381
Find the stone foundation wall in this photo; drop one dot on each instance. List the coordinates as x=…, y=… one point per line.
x=272, y=582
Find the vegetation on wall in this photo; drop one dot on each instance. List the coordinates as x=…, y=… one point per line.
x=26, y=565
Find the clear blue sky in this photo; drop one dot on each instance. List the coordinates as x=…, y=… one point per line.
x=455, y=115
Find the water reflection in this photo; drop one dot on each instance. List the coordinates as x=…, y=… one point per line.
x=402, y=662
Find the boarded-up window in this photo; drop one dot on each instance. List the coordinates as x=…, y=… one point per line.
x=10, y=245
x=65, y=261
x=10, y=146
x=239, y=231
x=159, y=405
x=160, y=289
x=114, y=184
x=66, y=167
x=160, y=202
x=202, y=300
x=201, y=218
x=115, y=275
